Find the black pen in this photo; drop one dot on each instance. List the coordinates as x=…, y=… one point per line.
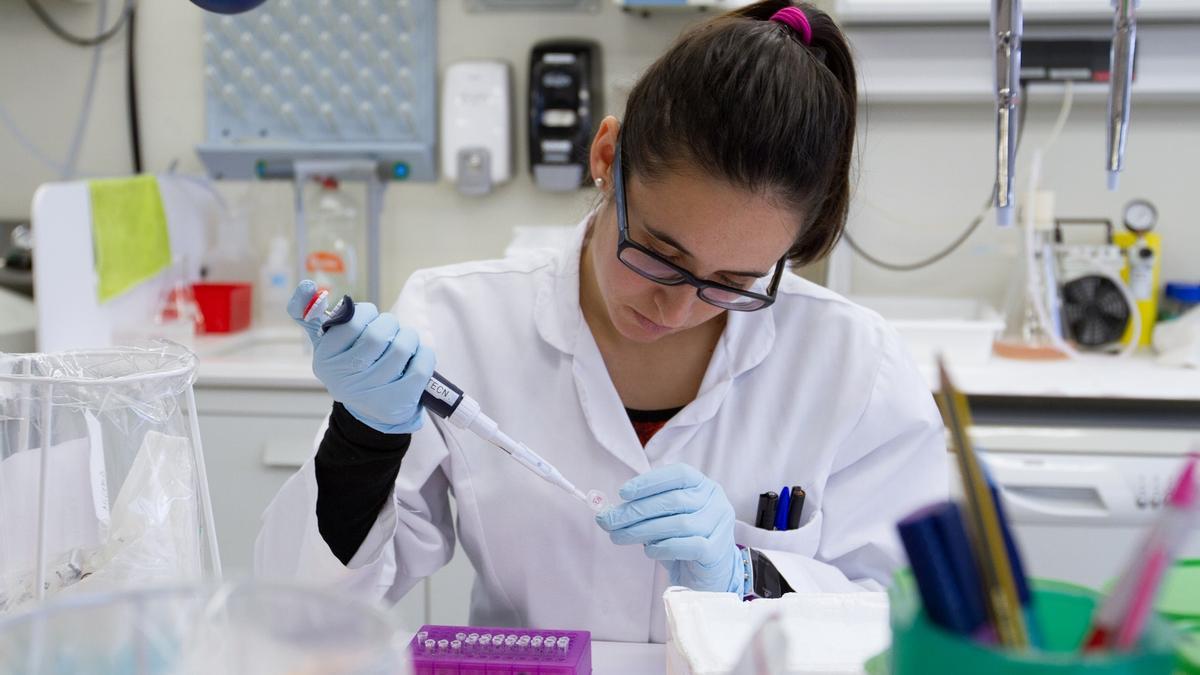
x=797, y=507
x=765, y=518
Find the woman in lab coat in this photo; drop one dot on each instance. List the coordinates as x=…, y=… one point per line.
x=666, y=358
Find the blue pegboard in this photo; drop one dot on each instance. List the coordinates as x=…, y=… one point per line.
x=321, y=78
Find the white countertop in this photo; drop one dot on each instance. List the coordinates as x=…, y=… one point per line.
x=279, y=358
x=257, y=358
x=1136, y=378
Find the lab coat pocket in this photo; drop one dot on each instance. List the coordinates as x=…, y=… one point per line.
x=803, y=540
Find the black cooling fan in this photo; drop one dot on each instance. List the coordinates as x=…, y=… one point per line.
x=1095, y=312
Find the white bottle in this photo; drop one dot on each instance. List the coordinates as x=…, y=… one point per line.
x=275, y=282
x=333, y=227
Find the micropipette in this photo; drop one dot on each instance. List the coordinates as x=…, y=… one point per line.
x=447, y=401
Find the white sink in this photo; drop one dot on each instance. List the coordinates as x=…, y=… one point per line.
x=960, y=329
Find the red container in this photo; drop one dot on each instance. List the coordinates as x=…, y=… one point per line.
x=226, y=307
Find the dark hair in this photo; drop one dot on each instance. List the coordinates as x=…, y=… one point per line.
x=745, y=100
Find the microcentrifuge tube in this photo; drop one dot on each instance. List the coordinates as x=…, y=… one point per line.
x=442, y=645
x=510, y=641
x=430, y=645
x=536, y=642
x=422, y=636
x=456, y=646
x=597, y=500
x=460, y=636
x=523, y=642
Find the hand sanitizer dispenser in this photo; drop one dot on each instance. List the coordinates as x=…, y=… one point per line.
x=477, y=125
x=565, y=101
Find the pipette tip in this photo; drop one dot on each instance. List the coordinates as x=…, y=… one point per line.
x=1114, y=178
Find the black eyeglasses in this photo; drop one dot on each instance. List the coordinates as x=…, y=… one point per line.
x=659, y=270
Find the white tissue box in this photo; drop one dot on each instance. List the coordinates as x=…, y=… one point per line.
x=801, y=633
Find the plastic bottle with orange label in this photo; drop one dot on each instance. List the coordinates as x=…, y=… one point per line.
x=334, y=228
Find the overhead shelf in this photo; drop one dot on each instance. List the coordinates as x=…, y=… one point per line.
x=953, y=63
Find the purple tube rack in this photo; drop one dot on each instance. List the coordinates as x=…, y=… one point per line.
x=463, y=650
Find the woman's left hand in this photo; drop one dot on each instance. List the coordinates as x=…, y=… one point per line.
x=682, y=519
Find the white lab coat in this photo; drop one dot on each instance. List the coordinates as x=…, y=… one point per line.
x=814, y=391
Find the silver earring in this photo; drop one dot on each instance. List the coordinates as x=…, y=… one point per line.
x=600, y=183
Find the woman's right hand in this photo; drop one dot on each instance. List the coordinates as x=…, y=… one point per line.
x=372, y=365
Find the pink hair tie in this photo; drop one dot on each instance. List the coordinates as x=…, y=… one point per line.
x=794, y=18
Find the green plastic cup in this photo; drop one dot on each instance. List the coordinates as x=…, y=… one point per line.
x=1063, y=613
x=1179, y=598
x=1189, y=649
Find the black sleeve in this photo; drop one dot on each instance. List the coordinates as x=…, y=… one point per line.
x=768, y=582
x=356, y=470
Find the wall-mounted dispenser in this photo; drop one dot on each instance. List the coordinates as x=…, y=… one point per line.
x=565, y=103
x=477, y=125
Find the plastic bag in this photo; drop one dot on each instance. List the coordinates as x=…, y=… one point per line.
x=101, y=473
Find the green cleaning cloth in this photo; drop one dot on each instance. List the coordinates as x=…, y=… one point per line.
x=129, y=233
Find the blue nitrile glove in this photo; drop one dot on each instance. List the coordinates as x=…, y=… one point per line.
x=683, y=520
x=370, y=364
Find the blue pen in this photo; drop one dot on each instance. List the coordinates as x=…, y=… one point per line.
x=946, y=603
x=781, y=513
x=952, y=534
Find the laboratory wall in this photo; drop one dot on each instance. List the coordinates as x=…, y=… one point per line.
x=924, y=169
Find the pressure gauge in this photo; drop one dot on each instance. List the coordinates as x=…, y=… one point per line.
x=1140, y=216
